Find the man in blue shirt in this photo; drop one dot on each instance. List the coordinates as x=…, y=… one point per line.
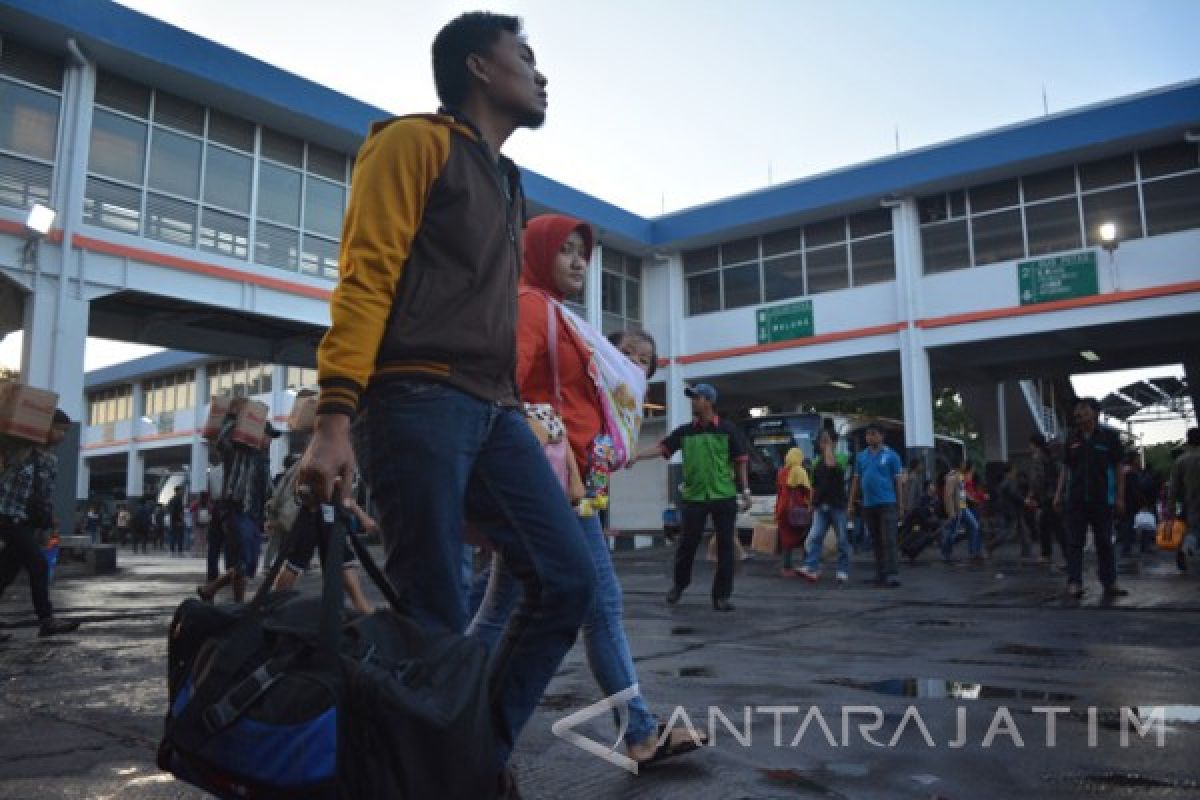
x=880, y=475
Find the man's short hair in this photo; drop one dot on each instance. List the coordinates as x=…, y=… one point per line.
x=472, y=33
x=1090, y=402
x=1193, y=437
x=874, y=426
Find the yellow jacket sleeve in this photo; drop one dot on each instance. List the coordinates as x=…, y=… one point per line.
x=395, y=170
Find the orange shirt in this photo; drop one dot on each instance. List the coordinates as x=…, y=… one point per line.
x=580, y=404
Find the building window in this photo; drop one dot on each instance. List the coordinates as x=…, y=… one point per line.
x=107, y=406
x=997, y=237
x=173, y=170
x=1063, y=208
x=620, y=290
x=1172, y=204
x=827, y=269
x=30, y=101
x=237, y=378
x=818, y=257
x=704, y=293
x=1052, y=227
x=168, y=393
x=300, y=377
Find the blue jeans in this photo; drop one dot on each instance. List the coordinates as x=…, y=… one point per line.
x=826, y=516
x=965, y=518
x=419, y=445
x=243, y=543
x=603, y=632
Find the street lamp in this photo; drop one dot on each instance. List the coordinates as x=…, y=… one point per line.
x=1108, y=236
x=1108, y=240
x=37, y=225
x=40, y=219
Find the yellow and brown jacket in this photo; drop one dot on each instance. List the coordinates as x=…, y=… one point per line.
x=429, y=263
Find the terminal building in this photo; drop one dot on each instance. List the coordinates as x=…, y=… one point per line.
x=198, y=196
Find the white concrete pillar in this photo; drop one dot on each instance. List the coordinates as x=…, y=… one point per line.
x=83, y=477
x=52, y=350
x=198, y=462
x=996, y=425
x=679, y=409
x=135, y=468
x=281, y=405
x=915, y=379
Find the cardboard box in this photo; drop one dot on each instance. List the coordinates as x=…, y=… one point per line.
x=26, y=412
x=303, y=416
x=766, y=539
x=216, y=415
x=251, y=426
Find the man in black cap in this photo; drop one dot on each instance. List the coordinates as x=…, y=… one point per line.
x=26, y=497
x=712, y=450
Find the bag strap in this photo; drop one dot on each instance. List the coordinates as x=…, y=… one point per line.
x=332, y=592
x=377, y=577
x=552, y=350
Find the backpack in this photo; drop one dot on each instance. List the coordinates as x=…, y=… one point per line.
x=283, y=508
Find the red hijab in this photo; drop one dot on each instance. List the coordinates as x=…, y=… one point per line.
x=544, y=238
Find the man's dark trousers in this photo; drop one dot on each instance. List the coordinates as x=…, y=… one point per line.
x=1100, y=517
x=724, y=517
x=21, y=551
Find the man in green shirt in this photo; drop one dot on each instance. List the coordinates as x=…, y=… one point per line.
x=712, y=449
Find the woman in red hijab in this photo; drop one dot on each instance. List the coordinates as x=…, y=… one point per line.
x=555, y=367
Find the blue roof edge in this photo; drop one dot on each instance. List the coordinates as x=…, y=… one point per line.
x=155, y=363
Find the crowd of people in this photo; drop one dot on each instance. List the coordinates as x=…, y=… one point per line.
x=1088, y=484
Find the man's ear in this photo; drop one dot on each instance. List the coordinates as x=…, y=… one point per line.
x=477, y=67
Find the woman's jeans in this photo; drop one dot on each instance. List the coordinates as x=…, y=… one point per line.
x=429, y=452
x=965, y=518
x=603, y=632
x=825, y=517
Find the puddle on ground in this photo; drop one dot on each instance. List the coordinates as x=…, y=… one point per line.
x=1123, y=780
x=1110, y=718
x=682, y=630
x=695, y=672
x=1032, y=650
x=794, y=779
x=949, y=689
x=847, y=770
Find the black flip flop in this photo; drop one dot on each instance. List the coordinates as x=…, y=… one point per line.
x=669, y=748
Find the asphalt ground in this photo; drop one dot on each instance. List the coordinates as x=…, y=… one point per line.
x=928, y=669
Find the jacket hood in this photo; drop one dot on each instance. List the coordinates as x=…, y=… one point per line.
x=543, y=239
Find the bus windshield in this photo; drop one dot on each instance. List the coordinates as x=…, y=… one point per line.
x=769, y=439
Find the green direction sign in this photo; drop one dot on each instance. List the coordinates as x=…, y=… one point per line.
x=788, y=321
x=1057, y=278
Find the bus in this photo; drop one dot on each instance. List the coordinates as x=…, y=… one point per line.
x=768, y=438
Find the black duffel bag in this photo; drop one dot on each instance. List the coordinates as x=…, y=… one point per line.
x=285, y=697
